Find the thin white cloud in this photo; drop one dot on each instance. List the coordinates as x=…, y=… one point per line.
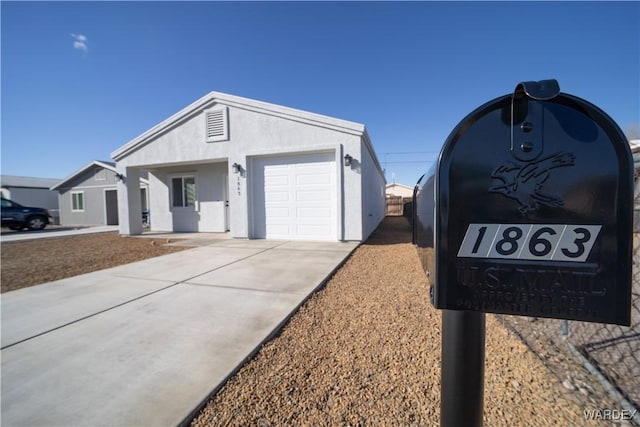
x=80, y=42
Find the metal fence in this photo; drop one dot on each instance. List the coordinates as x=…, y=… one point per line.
x=614, y=351
x=597, y=364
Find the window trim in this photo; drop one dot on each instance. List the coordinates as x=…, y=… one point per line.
x=182, y=177
x=79, y=209
x=225, y=124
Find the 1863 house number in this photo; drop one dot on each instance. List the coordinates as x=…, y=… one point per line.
x=556, y=242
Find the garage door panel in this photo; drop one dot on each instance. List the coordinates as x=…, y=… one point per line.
x=276, y=231
x=313, y=179
x=311, y=163
x=311, y=231
x=276, y=180
x=321, y=196
x=313, y=212
x=277, y=164
x=276, y=196
x=275, y=212
x=299, y=197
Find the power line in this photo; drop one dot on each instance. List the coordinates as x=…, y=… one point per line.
x=411, y=152
x=404, y=162
x=409, y=161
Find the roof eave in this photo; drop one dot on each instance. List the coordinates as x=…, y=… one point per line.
x=241, y=103
x=82, y=170
x=369, y=145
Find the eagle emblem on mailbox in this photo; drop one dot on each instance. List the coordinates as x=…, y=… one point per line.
x=524, y=181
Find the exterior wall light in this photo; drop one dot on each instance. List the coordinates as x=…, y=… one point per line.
x=347, y=160
x=119, y=177
x=236, y=168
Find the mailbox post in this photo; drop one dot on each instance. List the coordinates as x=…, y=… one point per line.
x=528, y=211
x=462, y=369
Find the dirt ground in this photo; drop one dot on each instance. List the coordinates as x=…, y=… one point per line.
x=28, y=263
x=365, y=350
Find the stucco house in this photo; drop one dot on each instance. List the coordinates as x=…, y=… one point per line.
x=399, y=190
x=89, y=195
x=31, y=191
x=635, y=150
x=255, y=169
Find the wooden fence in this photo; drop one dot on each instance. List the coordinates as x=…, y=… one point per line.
x=398, y=206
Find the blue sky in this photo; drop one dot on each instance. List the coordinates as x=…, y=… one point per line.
x=80, y=79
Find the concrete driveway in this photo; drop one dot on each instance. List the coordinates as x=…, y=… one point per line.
x=146, y=343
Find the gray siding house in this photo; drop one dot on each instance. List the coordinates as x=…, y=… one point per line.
x=89, y=196
x=31, y=191
x=257, y=170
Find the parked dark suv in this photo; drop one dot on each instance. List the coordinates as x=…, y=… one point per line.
x=17, y=217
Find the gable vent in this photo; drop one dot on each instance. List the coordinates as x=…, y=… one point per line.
x=217, y=124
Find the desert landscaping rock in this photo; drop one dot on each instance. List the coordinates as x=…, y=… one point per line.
x=365, y=350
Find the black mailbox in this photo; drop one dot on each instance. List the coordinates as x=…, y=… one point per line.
x=529, y=210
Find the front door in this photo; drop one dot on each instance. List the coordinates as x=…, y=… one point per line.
x=225, y=186
x=111, y=207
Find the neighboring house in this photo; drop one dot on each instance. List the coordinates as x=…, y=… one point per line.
x=396, y=196
x=89, y=196
x=635, y=151
x=399, y=190
x=32, y=192
x=256, y=169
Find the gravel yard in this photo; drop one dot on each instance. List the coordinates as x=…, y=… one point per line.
x=365, y=350
x=33, y=262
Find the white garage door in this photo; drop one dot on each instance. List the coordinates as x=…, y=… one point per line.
x=294, y=197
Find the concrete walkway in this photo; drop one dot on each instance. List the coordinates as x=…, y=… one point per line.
x=145, y=343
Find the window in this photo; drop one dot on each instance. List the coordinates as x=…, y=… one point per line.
x=143, y=198
x=183, y=190
x=217, y=124
x=9, y=204
x=77, y=201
